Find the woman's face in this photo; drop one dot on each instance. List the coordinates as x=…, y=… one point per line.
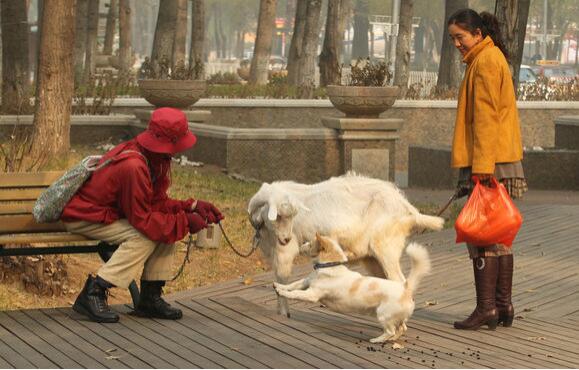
x=462, y=39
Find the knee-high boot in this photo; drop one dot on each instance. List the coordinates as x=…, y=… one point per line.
x=485, y=278
x=504, y=290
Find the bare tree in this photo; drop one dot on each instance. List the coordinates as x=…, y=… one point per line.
x=125, y=41
x=512, y=16
x=80, y=40
x=180, y=41
x=330, y=58
x=197, y=37
x=296, y=47
x=307, y=68
x=51, y=133
x=449, y=70
x=262, y=50
x=91, y=38
x=401, y=68
x=111, y=27
x=361, y=27
x=15, y=69
x=164, y=31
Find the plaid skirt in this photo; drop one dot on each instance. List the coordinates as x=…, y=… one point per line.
x=511, y=175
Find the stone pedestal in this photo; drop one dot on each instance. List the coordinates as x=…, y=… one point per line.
x=195, y=116
x=367, y=145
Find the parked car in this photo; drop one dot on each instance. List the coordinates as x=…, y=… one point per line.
x=557, y=73
x=526, y=74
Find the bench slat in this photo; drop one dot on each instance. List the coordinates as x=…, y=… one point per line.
x=25, y=179
x=20, y=194
x=26, y=224
x=13, y=208
x=43, y=238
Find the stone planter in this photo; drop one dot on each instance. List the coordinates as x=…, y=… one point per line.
x=362, y=101
x=172, y=93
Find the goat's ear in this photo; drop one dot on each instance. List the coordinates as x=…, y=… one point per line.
x=272, y=213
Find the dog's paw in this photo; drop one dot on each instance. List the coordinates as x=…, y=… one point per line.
x=379, y=339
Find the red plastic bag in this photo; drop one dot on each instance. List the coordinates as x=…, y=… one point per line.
x=488, y=217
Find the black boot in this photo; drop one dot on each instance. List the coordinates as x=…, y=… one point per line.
x=504, y=291
x=92, y=302
x=485, y=278
x=152, y=305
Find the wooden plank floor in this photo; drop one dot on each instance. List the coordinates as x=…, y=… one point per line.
x=232, y=325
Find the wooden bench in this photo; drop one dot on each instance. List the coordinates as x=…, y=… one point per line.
x=21, y=235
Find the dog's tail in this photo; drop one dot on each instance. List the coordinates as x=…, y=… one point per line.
x=420, y=266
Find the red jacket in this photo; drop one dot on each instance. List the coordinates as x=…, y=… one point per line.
x=124, y=189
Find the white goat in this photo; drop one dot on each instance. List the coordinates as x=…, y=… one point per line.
x=352, y=209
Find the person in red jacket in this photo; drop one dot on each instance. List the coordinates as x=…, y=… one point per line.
x=126, y=203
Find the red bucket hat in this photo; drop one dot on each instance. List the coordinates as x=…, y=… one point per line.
x=168, y=132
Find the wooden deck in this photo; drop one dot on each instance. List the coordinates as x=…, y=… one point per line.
x=232, y=325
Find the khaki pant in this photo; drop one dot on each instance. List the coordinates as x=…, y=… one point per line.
x=136, y=254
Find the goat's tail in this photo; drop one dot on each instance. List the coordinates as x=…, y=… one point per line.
x=429, y=222
x=420, y=266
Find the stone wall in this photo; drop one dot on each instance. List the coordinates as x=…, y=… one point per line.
x=545, y=168
x=426, y=122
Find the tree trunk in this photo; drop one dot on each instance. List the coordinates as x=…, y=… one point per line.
x=51, y=133
x=512, y=15
x=216, y=34
x=262, y=49
x=164, y=32
x=80, y=40
x=307, y=68
x=297, y=43
x=125, y=48
x=180, y=42
x=361, y=27
x=290, y=12
x=111, y=27
x=91, y=38
x=330, y=58
x=402, y=65
x=15, y=71
x=449, y=72
x=197, y=38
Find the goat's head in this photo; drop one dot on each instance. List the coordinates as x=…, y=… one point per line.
x=275, y=210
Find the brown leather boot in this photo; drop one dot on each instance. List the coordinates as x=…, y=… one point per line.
x=504, y=289
x=485, y=278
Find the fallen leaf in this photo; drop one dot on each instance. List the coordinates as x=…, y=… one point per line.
x=110, y=350
x=530, y=290
x=248, y=281
x=536, y=338
x=112, y=358
x=431, y=303
x=397, y=345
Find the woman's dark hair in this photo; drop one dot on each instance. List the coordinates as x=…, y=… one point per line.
x=488, y=24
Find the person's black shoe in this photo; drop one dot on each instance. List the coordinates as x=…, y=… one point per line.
x=92, y=302
x=152, y=305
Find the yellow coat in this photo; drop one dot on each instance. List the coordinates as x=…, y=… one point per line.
x=487, y=129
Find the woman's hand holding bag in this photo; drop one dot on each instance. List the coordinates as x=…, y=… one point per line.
x=488, y=217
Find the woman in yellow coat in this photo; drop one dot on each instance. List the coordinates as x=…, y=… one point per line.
x=487, y=142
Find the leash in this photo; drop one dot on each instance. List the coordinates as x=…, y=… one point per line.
x=244, y=255
x=186, y=259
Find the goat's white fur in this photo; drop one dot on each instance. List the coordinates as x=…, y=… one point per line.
x=352, y=209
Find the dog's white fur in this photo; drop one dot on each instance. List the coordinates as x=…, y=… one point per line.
x=346, y=291
x=354, y=210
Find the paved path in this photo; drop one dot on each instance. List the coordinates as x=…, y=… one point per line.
x=232, y=325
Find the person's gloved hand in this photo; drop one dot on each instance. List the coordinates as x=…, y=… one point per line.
x=196, y=222
x=208, y=211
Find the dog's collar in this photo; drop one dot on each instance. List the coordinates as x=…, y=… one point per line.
x=318, y=266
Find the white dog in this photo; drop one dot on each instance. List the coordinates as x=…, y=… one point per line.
x=344, y=290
